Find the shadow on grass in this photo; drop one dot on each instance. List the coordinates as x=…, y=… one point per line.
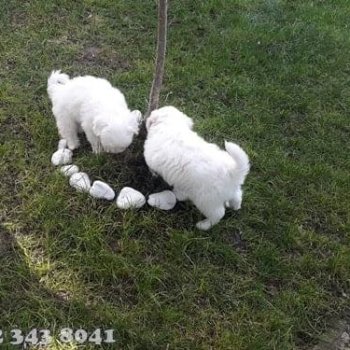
x=25, y=303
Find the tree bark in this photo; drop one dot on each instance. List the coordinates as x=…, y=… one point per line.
x=153, y=102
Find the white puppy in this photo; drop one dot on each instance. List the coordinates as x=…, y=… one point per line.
x=94, y=106
x=199, y=171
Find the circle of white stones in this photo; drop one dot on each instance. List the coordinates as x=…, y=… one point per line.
x=127, y=197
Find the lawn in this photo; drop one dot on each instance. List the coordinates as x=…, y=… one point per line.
x=271, y=75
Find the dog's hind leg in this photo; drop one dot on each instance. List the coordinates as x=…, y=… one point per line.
x=236, y=201
x=180, y=196
x=69, y=131
x=213, y=212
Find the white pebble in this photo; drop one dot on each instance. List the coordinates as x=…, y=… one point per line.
x=62, y=156
x=69, y=170
x=102, y=190
x=80, y=181
x=62, y=144
x=130, y=198
x=165, y=200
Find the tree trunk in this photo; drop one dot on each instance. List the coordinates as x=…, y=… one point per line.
x=153, y=102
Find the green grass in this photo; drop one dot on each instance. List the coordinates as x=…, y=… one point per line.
x=272, y=75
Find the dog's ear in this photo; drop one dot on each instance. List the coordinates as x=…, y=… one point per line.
x=98, y=126
x=136, y=121
x=134, y=129
x=151, y=120
x=137, y=115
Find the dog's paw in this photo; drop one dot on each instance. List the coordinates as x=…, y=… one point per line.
x=235, y=205
x=179, y=195
x=62, y=144
x=164, y=200
x=72, y=145
x=204, y=225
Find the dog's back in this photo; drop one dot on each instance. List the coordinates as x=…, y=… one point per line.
x=185, y=159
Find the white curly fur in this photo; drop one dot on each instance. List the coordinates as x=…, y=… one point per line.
x=94, y=106
x=199, y=171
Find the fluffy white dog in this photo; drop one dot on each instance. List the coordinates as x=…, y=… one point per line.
x=199, y=171
x=94, y=106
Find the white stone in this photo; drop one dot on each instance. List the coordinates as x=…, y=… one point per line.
x=69, y=170
x=130, y=198
x=102, y=190
x=62, y=156
x=62, y=144
x=165, y=200
x=80, y=181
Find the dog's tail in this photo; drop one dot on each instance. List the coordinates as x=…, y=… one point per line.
x=240, y=157
x=55, y=81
